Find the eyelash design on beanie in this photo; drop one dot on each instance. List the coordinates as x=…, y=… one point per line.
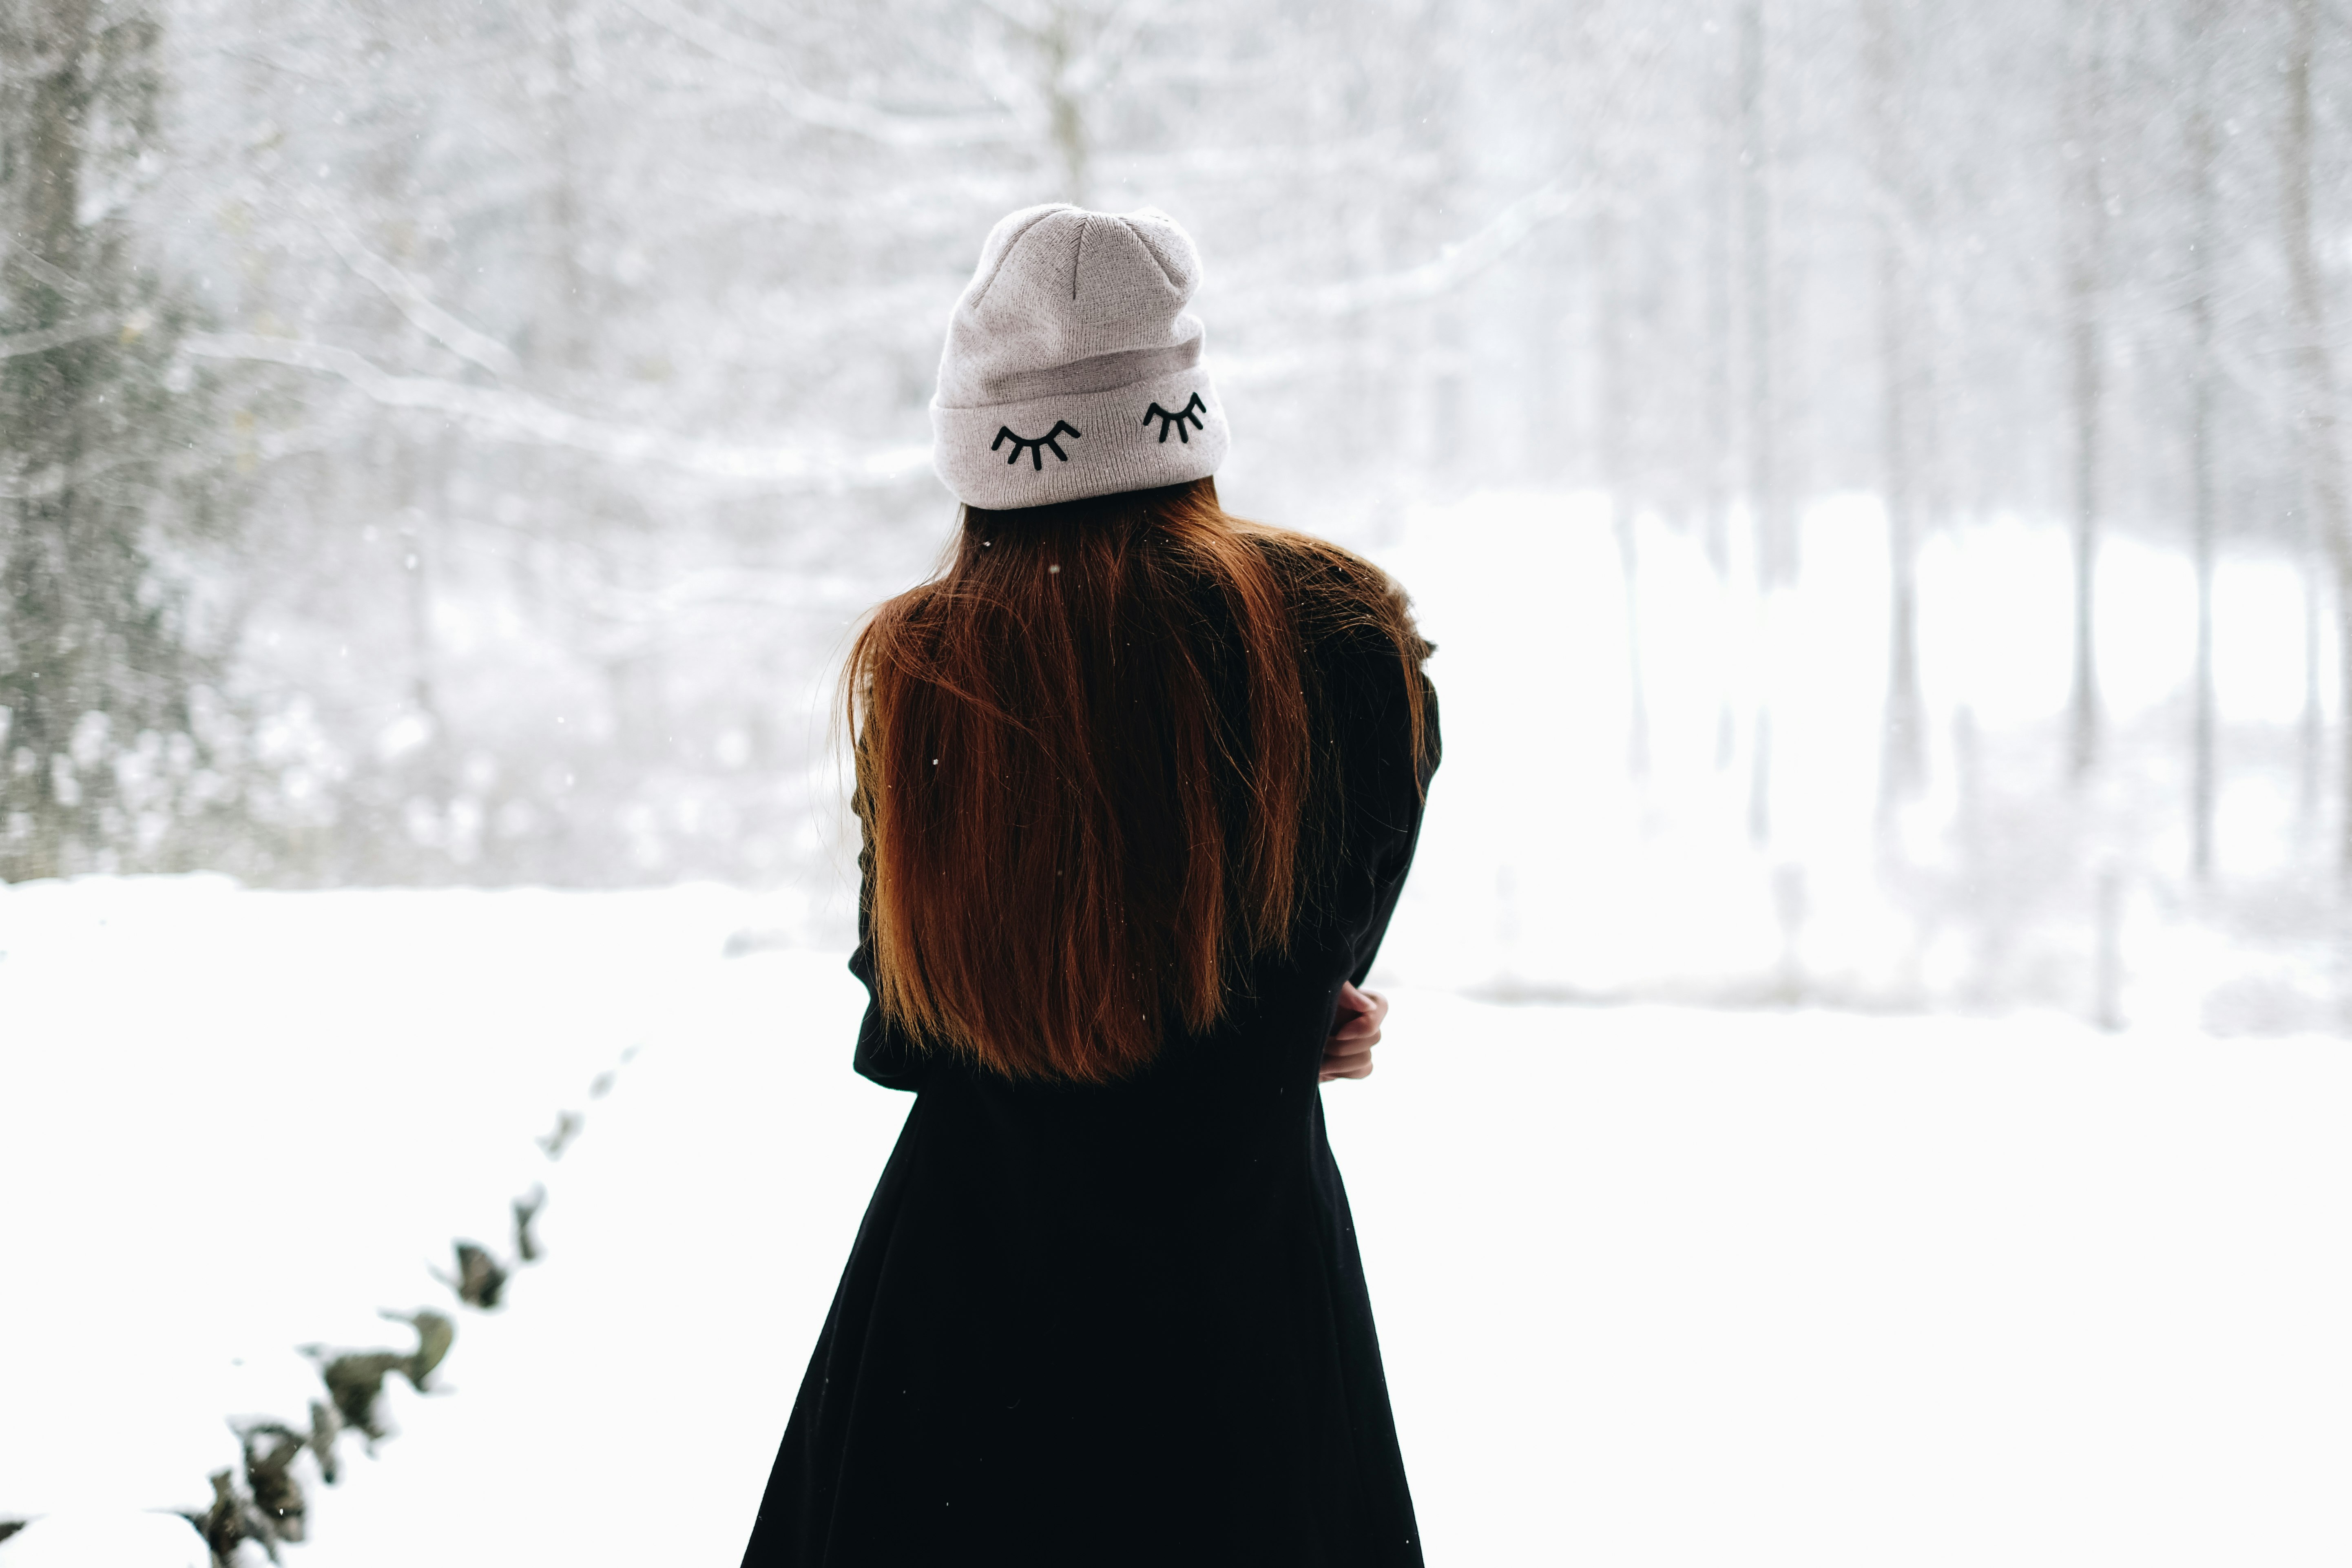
x=1176, y=421
x=1034, y=445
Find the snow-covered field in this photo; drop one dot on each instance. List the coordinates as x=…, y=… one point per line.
x=1654, y=1286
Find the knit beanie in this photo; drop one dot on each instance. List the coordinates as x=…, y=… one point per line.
x=1072, y=367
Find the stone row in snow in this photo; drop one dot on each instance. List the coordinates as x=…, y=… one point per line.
x=271, y=1507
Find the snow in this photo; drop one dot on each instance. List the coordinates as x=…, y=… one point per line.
x=1571, y=852
x=1654, y=1285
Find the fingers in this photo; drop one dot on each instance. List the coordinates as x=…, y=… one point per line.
x=1370, y=1009
x=1348, y=1052
x=1346, y=1058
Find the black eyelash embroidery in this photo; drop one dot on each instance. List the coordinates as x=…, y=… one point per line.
x=1176, y=421
x=1035, y=445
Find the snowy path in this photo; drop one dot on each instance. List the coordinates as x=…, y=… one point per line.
x=1654, y=1287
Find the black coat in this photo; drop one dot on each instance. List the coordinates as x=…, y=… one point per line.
x=1121, y=1326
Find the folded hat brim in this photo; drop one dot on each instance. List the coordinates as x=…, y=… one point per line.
x=1162, y=431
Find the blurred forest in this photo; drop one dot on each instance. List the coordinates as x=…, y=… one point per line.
x=447, y=440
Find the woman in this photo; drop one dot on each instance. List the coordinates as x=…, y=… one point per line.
x=1139, y=783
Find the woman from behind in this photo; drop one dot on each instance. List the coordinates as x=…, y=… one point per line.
x=1139, y=783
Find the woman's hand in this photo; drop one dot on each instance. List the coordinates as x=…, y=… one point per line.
x=1348, y=1052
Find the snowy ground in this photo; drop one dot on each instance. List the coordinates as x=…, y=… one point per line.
x=1654, y=1286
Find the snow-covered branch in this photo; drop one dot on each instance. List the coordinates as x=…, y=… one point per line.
x=776, y=68
x=1101, y=59
x=1458, y=262
x=409, y=294
x=55, y=337
x=518, y=416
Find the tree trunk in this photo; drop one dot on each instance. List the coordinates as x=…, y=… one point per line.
x=43, y=428
x=2310, y=725
x=1902, y=752
x=2314, y=373
x=87, y=655
x=1065, y=113
x=1724, y=134
x=1773, y=563
x=572, y=320
x=2085, y=287
x=1612, y=360
x=2203, y=236
x=1637, y=712
x=1774, y=557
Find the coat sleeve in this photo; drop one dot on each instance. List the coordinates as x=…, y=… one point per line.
x=1399, y=783
x=1391, y=885
x=885, y=1052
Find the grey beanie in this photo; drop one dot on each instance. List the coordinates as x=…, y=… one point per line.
x=1072, y=367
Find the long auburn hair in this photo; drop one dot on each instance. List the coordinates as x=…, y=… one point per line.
x=1091, y=773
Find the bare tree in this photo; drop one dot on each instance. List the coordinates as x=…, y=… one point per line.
x=2201, y=41
x=1076, y=48
x=1775, y=546
x=2086, y=199
x=1774, y=551
x=1612, y=59
x=1903, y=754
x=2312, y=557
x=1720, y=144
x=1720, y=147
x=2322, y=461
x=95, y=449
